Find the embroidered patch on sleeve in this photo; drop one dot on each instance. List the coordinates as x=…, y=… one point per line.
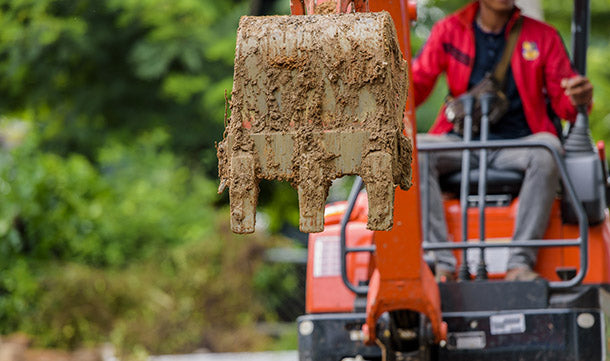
x=530, y=51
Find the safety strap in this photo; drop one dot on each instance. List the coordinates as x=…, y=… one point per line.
x=502, y=67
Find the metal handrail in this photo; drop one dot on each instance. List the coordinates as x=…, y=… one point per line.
x=581, y=241
x=351, y=201
x=532, y=243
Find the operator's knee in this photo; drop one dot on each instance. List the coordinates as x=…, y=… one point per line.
x=548, y=138
x=543, y=163
x=541, y=159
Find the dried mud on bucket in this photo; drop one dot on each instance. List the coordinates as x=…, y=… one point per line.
x=316, y=97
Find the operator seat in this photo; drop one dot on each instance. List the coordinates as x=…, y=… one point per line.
x=499, y=181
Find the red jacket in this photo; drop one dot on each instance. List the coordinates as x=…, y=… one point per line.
x=539, y=62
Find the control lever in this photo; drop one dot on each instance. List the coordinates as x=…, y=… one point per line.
x=468, y=103
x=485, y=99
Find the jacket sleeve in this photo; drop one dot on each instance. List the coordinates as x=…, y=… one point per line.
x=557, y=67
x=428, y=65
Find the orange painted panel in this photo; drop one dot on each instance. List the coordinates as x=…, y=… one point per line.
x=500, y=223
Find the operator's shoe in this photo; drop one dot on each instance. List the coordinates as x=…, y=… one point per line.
x=444, y=275
x=521, y=274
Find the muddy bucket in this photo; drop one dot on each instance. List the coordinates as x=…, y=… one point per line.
x=314, y=98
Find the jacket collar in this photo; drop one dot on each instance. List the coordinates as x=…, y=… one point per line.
x=467, y=14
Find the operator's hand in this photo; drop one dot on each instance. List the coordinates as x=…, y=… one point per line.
x=579, y=89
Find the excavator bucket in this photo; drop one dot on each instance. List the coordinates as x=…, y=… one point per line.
x=316, y=97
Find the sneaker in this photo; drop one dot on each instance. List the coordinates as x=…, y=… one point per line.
x=521, y=274
x=444, y=275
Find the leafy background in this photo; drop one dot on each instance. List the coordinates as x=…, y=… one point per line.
x=110, y=226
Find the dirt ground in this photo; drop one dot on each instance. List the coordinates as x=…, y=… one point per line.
x=17, y=348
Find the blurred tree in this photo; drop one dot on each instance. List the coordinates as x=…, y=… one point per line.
x=262, y=7
x=89, y=70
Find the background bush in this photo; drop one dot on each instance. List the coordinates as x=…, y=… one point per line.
x=131, y=249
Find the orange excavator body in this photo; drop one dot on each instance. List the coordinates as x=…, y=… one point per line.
x=397, y=276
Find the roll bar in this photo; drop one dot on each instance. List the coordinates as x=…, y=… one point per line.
x=580, y=34
x=351, y=201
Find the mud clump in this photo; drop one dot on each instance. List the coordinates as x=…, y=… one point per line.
x=325, y=8
x=315, y=98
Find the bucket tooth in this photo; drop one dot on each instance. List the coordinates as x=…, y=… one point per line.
x=312, y=198
x=377, y=177
x=243, y=193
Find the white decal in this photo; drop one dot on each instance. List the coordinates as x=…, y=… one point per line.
x=507, y=324
x=467, y=340
x=326, y=259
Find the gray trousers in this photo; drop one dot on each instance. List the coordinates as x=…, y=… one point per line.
x=535, y=198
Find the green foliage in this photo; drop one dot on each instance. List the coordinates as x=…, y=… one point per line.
x=141, y=199
x=279, y=201
x=141, y=202
x=288, y=340
x=599, y=73
x=175, y=301
x=130, y=251
x=429, y=12
x=93, y=70
x=276, y=281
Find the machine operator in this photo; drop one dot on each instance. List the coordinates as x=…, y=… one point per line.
x=466, y=46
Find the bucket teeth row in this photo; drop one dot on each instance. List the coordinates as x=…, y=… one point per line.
x=316, y=98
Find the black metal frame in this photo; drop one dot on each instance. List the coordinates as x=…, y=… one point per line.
x=580, y=34
x=351, y=201
x=581, y=241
